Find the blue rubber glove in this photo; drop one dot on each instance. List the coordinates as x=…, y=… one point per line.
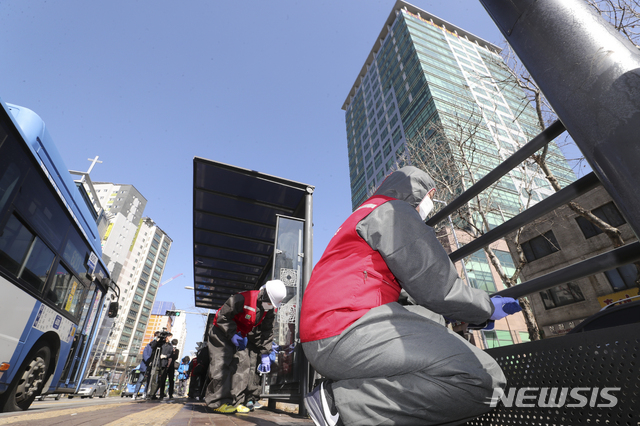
x=490, y=325
x=243, y=344
x=504, y=306
x=265, y=365
x=238, y=340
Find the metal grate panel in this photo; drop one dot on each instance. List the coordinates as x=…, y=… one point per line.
x=595, y=359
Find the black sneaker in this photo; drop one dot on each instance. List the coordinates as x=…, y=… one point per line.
x=319, y=408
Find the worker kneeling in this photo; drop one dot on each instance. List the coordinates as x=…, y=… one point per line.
x=232, y=324
x=387, y=363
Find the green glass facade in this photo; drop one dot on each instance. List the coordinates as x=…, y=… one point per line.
x=425, y=73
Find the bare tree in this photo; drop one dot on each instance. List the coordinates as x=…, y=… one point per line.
x=519, y=76
x=452, y=152
x=624, y=15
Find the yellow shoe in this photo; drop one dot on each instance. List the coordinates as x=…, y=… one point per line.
x=242, y=409
x=225, y=409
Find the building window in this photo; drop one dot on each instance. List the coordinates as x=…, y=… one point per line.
x=479, y=272
x=507, y=263
x=378, y=160
x=623, y=277
x=369, y=171
x=608, y=213
x=561, y=295
x=498, y=338
x=524, y=336
x=540, y=246
x=386, y=149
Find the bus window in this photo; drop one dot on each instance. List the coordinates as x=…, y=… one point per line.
x=11, y=165
x=8, y=182
x=38, y=265
x=40, y=209
x=66, y=292
x=24, y=254
x=77, y=254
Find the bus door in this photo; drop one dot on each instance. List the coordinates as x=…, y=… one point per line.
x=69, y=376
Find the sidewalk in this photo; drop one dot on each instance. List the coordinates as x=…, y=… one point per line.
x=126, y=412
x=195, y=413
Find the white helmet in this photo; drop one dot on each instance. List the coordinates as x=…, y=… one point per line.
x=276, y=291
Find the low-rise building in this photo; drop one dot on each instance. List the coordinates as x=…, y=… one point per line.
x=562, y=238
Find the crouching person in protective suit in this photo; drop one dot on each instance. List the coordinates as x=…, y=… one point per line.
x=241, y=313
x=387, y=363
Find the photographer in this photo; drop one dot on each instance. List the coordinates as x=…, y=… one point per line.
x=145, y=365
x=161, y=356
x=170, y=371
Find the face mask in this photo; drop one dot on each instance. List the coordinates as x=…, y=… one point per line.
x=267, y=306
x=425, y=207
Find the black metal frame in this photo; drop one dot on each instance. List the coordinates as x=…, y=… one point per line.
x=588, y=72
x=602, y=358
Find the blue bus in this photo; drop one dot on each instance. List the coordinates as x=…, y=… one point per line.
x=52, y=278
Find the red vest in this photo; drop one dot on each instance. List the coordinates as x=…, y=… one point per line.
x=246, y=319
x=348, y=281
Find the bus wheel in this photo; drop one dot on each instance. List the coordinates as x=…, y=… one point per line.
x=28, y=382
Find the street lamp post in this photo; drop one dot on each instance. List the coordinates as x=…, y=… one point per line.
x=188, y=287
x=115, y=367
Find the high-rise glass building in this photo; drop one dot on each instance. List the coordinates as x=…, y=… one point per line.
x=135, y=249
x=429, y=84
x=142, y=274
x=424, y=74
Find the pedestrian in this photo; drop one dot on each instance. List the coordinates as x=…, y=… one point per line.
x=163, y=350
x=239, y=315
x=387, y=363
x=198, y=372
x=170, y=372
x=183, y=376
x=146, y=362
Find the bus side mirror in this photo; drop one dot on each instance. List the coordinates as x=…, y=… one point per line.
x=113, y=309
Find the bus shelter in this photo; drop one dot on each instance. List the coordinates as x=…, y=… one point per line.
x=248, y=228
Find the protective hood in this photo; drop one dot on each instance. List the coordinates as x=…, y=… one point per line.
x=408, y=184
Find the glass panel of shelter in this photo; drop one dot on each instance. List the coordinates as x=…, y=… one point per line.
x=288, y=267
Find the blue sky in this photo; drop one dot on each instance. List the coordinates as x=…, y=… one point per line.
x=148, y=85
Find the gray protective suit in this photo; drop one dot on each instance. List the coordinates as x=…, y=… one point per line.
x=399, y=365
x=230, y=371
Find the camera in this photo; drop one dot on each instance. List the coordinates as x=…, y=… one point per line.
x=163, y=335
